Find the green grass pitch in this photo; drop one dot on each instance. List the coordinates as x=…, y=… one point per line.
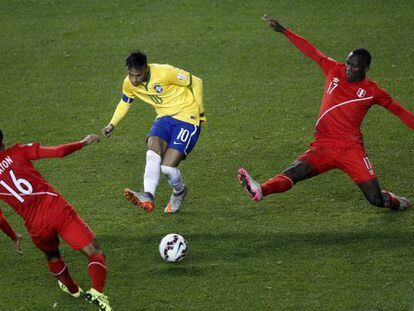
x=319, y=246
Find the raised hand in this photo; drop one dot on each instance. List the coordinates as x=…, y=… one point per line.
x=107, y=130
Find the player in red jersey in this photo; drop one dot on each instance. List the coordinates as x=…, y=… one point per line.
x=8, y=230
x=348, y=96
x=47, y=215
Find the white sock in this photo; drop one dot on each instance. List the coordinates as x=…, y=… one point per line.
x=152, y=172
x=174, y=178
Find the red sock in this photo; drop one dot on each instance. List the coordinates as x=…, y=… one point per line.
x=6, y=228
x=97, y=271
x=60, y=271
x=277, y=184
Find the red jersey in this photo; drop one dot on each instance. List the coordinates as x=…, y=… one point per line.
x=25, y=190
x=345, y=104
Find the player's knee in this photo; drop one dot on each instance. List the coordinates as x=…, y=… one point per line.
x=156, y=145
x=98, y=252
x=55, y=254
x=92, y=249
x=300, y=170
x=172, y=158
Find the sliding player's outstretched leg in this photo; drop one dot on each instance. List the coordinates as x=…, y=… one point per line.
x=300, y=170
x=383, y=198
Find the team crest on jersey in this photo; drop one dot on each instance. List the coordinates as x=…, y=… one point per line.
x=158, y=88
x=361, y=93
x=181, y=76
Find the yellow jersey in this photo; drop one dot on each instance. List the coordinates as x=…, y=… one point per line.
x=169, y=91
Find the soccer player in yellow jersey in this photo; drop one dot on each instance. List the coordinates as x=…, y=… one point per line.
x=177, y=97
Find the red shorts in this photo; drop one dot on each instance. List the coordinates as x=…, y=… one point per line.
x=350, y=157
x=70, y=227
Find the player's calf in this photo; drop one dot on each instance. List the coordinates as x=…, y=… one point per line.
x=376, y=199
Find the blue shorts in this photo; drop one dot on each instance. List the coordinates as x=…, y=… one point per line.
x=179, y=135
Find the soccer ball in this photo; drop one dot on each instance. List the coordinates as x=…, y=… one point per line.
x=173, y=247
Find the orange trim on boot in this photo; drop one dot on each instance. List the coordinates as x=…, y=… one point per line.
x=146, y=206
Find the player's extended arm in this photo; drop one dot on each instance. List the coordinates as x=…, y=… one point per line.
x=65, y=149
x=8, y=230
x=302, y=44
x=406, y=116
x=197, y=86
x=384, y=99
x=120, y=112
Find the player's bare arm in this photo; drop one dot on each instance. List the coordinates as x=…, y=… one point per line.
x=274, y=24
x=120, y=112
x=18, y=244
x=301, y=43
x=89, y=139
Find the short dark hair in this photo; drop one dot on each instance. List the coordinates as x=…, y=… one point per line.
x=1, y=136
x=364, y=55
x=136, y=59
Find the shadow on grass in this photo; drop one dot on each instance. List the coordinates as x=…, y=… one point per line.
x=231, y=247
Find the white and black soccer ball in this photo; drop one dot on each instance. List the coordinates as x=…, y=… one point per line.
x=173, y=247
